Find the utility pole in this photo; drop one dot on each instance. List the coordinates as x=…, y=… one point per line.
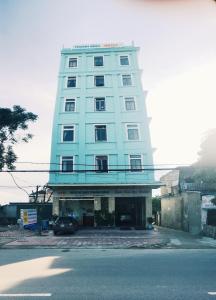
x=35, y=194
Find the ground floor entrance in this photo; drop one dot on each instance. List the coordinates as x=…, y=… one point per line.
x=80, y=209
x=104, y=206
x=105, y=211
x=129, y=211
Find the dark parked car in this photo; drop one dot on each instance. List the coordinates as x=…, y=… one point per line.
x=65, y=225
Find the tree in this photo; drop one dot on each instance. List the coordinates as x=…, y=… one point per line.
x=12, y=121
x=207, y=153
x=205, y=167
x=156, y=205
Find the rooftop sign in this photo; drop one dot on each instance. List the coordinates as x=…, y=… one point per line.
x=108, y=45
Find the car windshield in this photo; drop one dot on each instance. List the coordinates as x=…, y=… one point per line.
x=64, y=220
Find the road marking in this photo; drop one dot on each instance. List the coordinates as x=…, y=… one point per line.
x=27, y=295
x=212, y=293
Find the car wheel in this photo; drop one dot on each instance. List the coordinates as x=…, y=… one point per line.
x=55, y=232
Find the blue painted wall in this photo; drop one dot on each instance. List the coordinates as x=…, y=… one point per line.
x=84, y=148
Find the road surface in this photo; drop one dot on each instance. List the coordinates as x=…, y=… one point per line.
x=107, y=274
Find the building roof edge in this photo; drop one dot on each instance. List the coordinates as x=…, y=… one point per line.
x=98, y=48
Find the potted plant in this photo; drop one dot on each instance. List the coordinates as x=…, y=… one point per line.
x=150, y=221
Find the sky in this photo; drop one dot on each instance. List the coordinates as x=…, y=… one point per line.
x=177, y=55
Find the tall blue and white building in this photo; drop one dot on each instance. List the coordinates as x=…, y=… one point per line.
x=101, y=141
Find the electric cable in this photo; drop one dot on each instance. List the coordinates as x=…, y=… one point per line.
x=52, y=163
x=89, y=170
x=17, y=184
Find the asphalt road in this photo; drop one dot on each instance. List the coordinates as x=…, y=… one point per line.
x=107, y=274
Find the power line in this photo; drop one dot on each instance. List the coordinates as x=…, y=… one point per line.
x=21, y=179
x=58, y=164
x=90, y=170
x=12, y=186
x=19, y=187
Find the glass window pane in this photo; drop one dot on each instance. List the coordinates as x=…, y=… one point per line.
x=130, y=104
x=98, y=61
x=71, y=82
x=126, y=79
x=136, y=163
x=101, y=163
x=124, y=61
x=73, y=62
x=97, y=105
x=133, y=133
x=99, y=80
x=104, y=165
x=70, y=105
x=67, y=164
x=100, y=133
x=100, y=104
x=68, y=134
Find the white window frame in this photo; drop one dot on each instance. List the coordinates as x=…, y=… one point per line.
x=61, y=161
x=134, y=103
x=129, y=158
x=107, y=163
x=104, y=141
x=131, y=80
x=120, y=60
x=138, y=127
x=95, y=104
x=64, y=104
x=72, y=57
x=99, y=86
x=62, y=133
x=71, y=87
x=94, y=59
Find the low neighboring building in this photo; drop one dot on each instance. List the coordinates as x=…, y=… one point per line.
x=186, y=205
x=11, y=211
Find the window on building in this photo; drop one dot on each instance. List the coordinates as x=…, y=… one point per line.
x=70, y=104
x=133, y=132
x=136, y=163
x=100, y=104
x=130, y=103
x=124, y=61
x=99, y=80
x=73, y=62
x=67, y=164
x=71, y=82
x=101, y=163
x=68, y=133
x=98, y=61
x=100, y=133
x=126, y=80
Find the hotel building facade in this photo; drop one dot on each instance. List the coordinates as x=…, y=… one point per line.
x=101, y=141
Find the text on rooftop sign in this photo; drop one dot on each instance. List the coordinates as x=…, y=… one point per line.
x=109, y=45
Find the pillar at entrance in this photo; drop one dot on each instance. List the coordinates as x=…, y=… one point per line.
x=56, y=206
x=111, y=204
x=148, y=206
x=97, y=203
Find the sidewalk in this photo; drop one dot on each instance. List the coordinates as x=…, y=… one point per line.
x=159, y=238
x=12, y=233
x=183, y=240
